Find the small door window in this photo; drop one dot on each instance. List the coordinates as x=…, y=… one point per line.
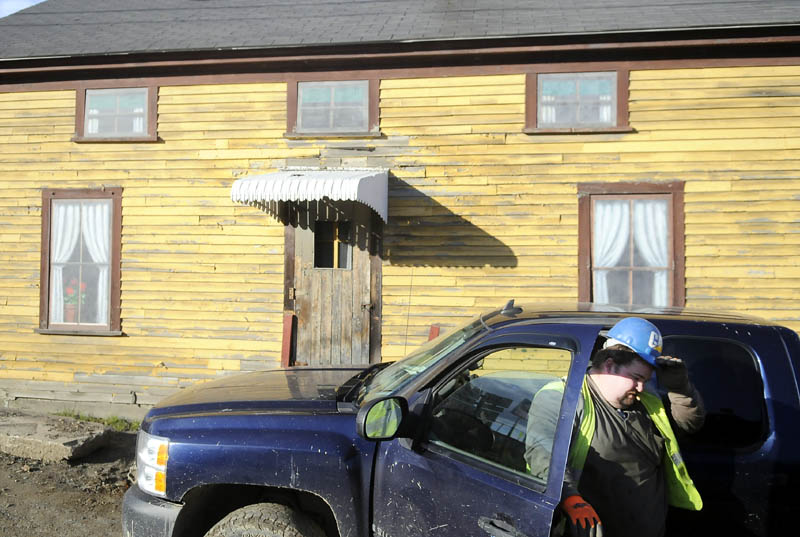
x=332, y=245
x=487, y=410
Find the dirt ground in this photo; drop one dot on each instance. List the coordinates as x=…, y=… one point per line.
x=81, y=498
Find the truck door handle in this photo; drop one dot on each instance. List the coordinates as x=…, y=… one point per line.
x=498, y=528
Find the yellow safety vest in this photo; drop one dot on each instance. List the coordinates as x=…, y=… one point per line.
x=681, y=491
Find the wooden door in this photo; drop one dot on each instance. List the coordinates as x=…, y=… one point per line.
x=335, y=295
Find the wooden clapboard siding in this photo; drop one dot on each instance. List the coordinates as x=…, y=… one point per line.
x=202, y=278
x=730, y=133
x=479, y=212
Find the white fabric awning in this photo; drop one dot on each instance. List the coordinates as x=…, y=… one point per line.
x=370, y=187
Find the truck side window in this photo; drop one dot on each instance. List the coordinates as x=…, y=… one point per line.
x=483, y=410
x=728, y=378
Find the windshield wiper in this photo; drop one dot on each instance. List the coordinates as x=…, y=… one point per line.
x=350, y=387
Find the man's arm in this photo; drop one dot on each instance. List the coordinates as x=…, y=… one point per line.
x=686, y=405
x=541, y=432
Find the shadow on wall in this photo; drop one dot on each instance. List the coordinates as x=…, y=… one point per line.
x=422, y=232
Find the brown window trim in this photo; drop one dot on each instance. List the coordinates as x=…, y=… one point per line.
x=585, y=193
x=80, y=112
x=114, y=327
x=291, y=110
x=531, y=102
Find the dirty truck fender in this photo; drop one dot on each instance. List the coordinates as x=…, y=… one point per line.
x=316, y=454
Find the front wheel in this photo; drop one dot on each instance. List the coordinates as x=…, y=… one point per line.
x=266, y=520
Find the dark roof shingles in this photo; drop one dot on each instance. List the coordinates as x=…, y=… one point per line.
x=77, y=27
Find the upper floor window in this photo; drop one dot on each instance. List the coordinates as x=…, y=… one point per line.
x=81, y=233
x=343, y=107
x=116, y=114
x=577, y=102
x=631, y=244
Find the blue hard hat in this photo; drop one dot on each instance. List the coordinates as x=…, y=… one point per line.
x=639, y=335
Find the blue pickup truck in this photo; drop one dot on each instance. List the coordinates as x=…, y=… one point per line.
x=434, y=444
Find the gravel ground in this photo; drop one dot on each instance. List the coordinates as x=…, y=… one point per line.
x=81, y=498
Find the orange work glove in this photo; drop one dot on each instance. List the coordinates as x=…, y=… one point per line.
x=582, y=518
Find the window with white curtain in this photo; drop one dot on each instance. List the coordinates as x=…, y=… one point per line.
x=79, y=260
x=631, y=247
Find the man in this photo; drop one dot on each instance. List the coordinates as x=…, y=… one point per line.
x=624, y=467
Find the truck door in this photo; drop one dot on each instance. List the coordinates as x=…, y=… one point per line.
x=738, y=459
x=469, y=474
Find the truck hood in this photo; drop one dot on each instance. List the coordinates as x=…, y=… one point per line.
x=280, y=390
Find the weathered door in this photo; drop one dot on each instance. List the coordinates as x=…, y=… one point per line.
x=335, y=283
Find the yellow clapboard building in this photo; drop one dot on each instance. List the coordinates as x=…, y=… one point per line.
x=169, y=216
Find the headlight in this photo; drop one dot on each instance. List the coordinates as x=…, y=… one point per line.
x=152, y=453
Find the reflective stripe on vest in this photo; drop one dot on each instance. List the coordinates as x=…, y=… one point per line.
x=681, y=491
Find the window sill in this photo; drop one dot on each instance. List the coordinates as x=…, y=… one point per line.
x=599, y=130
x=130, y=139
x=68, y=332
x=317, y=135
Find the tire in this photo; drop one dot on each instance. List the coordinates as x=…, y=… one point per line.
x=266, y=520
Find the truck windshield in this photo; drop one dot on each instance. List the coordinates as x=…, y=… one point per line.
x=399, y=374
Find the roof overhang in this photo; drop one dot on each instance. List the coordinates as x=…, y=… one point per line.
x=367, y=186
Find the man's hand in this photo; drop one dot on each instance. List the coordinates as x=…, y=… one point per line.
x=582, y=518
x=672, y=374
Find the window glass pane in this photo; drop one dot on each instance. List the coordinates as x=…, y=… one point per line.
x=132, y=102
x=651, y=232
x=333, y=106
x=557, y=88
x=611, y=233
x=619, y=287
x=595, y=87
x=728, y=378
x=504, y=408
x=315, y=118
x=350, y=94
x=643, y=292
x=580, y=100
x=323, y=245
x=627, y=233
x=116, y=112
x=80, y=261
x=100, y=103
x=344, y=245
x=314, y=94
x=350, y=118
x=332, y=245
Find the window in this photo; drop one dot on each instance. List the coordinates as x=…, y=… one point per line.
x=729, y=380
x=631, y=244
x=81, y=232
x=332, y=247
x=116, y=114
x=577, y=102
x=347, y=107
x=497, y=409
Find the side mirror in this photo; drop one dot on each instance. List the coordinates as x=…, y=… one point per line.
x=380, y=419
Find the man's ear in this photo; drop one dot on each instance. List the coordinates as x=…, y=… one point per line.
x=609, y=367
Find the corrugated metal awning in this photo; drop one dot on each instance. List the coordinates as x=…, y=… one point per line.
x=370, y=187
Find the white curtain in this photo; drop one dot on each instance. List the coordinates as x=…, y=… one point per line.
x=64, y=232
x=650, y=236
x=609, y=237
x=96, y=228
